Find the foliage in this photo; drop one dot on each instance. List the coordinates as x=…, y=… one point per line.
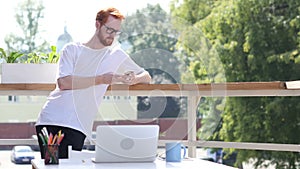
x=19, y=57
x=150, y=41
x=10, y=57
x=256, y=40
x=28, y=16
x=204, y=64
x=50, y=57
x=28, y=47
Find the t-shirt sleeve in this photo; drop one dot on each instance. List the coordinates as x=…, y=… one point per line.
x=128, y=64
x=66, y=61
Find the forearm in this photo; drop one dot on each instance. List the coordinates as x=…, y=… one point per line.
x=75, y=82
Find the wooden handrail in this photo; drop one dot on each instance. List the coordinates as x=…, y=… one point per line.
x=189, y=87
x=238, y=89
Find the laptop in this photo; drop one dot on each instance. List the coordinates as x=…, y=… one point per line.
x=126, y=143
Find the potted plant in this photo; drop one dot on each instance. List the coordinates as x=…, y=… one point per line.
x=36, y=68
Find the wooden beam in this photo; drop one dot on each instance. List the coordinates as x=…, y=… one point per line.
x=175, y=87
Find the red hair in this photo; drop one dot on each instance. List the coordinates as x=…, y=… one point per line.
x=103, y=14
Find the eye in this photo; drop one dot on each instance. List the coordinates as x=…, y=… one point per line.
x=110, y=30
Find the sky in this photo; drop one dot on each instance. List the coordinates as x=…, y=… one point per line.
x=77, y=15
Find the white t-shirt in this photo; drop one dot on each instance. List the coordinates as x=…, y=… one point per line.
x=77, y=109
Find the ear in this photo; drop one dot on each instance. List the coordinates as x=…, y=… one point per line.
x=97, y=24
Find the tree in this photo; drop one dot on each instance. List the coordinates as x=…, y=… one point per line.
x=150, y=41
x=256, y=40
x=204, y=64
x=28, y=15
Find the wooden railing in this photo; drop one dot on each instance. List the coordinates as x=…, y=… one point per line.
x=193, y=92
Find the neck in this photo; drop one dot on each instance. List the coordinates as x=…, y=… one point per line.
x=94, y=43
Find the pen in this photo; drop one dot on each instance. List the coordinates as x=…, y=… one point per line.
x=54, y=139
x=60, y=139
x=59, y=133
x=42, y=138
x=50, y=138
x=44, y=132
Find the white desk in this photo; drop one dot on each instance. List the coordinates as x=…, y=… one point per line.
x=158, y=164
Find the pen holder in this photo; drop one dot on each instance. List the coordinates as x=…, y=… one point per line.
x=51, y=154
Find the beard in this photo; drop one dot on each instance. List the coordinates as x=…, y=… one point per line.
x=108, y=41
x=105, y=41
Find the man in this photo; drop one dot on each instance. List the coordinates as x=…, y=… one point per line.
x=85, y=71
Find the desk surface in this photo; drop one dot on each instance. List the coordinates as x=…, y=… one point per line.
x=157, y=164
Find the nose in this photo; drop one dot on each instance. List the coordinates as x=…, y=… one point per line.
x=112, y=36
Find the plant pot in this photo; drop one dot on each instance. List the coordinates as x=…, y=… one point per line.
x=28, y=72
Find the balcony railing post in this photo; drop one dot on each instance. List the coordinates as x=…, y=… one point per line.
x=192, y=124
